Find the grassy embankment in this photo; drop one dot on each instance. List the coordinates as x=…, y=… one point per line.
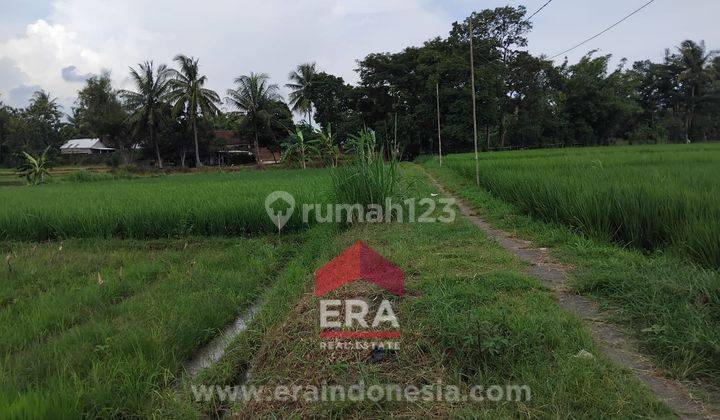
x=577, y=201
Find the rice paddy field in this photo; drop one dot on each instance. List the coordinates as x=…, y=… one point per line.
x=109, y=288
x=654, y=198
x=96, y=328
x=8, y=178
x=208, y=204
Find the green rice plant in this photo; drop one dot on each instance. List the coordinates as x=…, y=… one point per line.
x=367, y=178
x=648, y=197
x=671, y=306
x=208, y=204
x=99, y=334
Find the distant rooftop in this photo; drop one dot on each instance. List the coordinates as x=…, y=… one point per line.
x=85, y=144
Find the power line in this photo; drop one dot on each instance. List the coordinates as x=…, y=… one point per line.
x=538, y=10
x=604, y=30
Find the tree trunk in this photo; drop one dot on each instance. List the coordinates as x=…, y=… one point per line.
x=159, y=162
x=487, y=135
x=257, y=147
x=437, y=108
x=689, y=116
x=275, y=142
x=182, y=157
x=502, y=130
x=198, y=164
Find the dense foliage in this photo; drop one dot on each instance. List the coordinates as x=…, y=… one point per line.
x=526, y=101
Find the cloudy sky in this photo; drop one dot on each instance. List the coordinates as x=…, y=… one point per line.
x=55, y=44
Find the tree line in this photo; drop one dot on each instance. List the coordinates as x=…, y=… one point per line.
x=522, y=101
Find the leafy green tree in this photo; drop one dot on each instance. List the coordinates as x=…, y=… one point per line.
x=5, y=115
x=36, y=127
x=188, y=93
x=533, y=89
x=227, y=121
x=148, y=101
x=280, y=123
x=693, y=59
x=254, y=96
x=332, y=99
x=302, y=81
x=500, y=33
x=99, y=113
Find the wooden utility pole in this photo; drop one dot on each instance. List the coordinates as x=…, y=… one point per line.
x=472, y=86
x=437, y=96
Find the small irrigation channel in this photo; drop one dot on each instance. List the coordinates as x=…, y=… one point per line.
x=215, y=349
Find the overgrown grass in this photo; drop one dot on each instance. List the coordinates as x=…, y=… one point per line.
x=96, y=328
x=469, y=316
x=671, y=306
x=84, y=175
x=219, y=204
x=367, y=178
x=649, y=197
x=277, y=301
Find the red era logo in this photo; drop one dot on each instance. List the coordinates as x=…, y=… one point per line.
x=359, y=262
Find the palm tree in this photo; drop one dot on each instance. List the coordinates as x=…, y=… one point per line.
x=188, y=94
x=301, y=80
x=148, y=100
x=253, y=97
x=693, y=60
x=43, y=104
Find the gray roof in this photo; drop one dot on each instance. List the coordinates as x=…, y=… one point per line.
x=85, y=144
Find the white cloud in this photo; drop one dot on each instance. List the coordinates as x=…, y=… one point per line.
x=44, y=51
x=233, y=37
x=229, y=37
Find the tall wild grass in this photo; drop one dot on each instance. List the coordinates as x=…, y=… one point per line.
x=367, y=178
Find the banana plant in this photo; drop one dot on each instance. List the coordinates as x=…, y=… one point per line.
x=329, y=151
x=297, y=149
x=34, y=169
